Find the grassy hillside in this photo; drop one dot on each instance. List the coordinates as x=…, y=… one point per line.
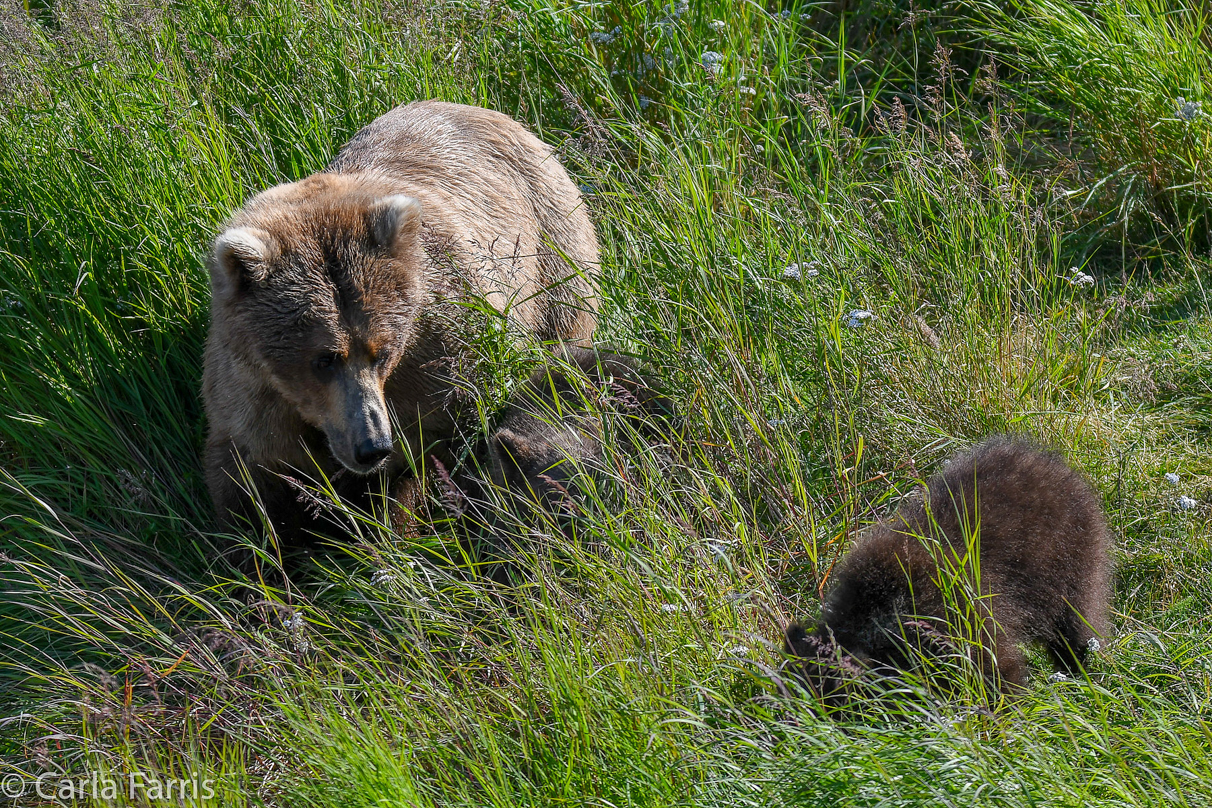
x=1019, y=197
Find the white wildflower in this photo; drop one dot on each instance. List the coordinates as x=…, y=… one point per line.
x=1187, y=110
x=749, y=91
x=1059, y=676
x=1093, y=645
x=712, y=62
x=644, y=102
x=1080, y=278
x=297, y=627
x=605, y=37
x=1171, y=478
x=775, y=423
x=793, y=272
x=858, y=318
x=722, y=548
x=382, y=577
x=672, y=608
x=739, y=650
x=785, y=13
x=719, y=26
x=678, y=10
x=1186, y=503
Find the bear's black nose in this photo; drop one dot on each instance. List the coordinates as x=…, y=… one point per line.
x=370, y=451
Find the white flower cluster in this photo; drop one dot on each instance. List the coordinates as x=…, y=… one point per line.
x=712, y=62
x=1079, y=278
x=722, y=548
x=794, y=272
x=719, y=26
x=297, y=626
x=1187, y=110
x=1184, y=502
x=858, y=318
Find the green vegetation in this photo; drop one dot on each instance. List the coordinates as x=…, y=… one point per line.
x=1019, y=197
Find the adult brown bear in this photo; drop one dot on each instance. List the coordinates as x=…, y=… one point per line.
x=336, y=301
x=1013, y=534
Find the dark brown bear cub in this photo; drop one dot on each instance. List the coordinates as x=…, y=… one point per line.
x=1018, y=539
x=547, y=442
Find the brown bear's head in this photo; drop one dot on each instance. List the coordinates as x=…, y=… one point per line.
x=318, y=285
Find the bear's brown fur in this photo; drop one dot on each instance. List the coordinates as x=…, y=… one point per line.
x=1042, y=569
x=334, y=299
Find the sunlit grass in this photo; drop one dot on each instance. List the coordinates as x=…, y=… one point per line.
x=635, y=664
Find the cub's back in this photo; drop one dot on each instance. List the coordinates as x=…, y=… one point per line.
x=1041, y=524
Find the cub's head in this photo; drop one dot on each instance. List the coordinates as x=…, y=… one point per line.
x=820, y=664
x=318, y=284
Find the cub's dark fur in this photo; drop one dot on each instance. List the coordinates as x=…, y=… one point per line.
x=1043, y=572
x=549, y=437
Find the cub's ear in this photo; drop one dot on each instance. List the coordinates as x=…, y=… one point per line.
x=241, y=258
x=394, y=220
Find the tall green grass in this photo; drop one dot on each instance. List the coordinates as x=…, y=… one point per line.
x=1129, y=81
x=745, y=213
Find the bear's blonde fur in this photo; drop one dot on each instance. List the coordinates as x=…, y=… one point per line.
x=333, y=298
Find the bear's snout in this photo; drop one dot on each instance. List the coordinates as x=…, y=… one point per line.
x=361, y=440
x=372, y=451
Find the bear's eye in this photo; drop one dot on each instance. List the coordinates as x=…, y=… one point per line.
x=381, y=359
x=323, y=362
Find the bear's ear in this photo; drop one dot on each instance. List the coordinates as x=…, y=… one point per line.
x=394, y=220
x=241, y=258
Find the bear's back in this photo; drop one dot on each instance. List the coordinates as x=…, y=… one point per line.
x=492, y=190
